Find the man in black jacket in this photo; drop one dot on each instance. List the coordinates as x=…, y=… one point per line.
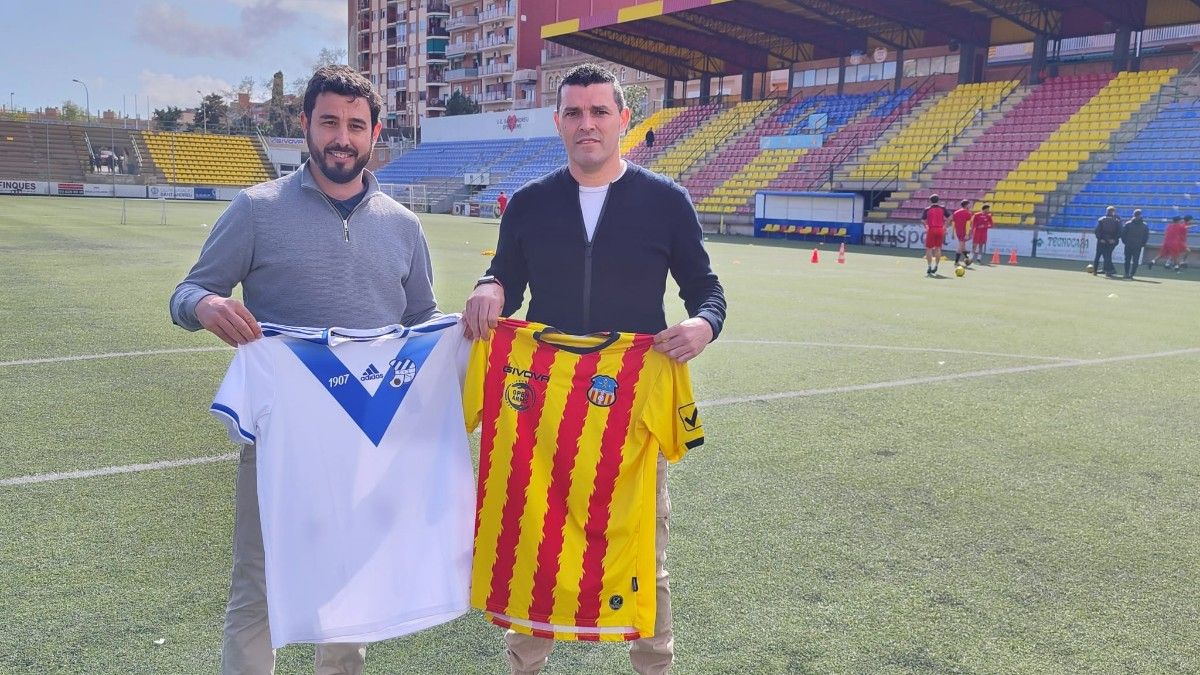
x=595, y=241
x=1134, y=236
x=1108, y=233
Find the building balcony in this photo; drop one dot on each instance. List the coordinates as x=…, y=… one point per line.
x=461, y=22
x=499, y=14
x=496, y=69
x=496, y=97
x=435, y=77
x=459, y=74
x=496, y=42
x=398, y=85
x=461, y=48
x=436, y=7
x=435, y=104
x=460, y=3
x=524, y=103
x=525, y=75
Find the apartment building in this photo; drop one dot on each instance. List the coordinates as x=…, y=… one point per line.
x=418, y=52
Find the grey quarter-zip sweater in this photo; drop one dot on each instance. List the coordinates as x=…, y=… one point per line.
x=301, y=264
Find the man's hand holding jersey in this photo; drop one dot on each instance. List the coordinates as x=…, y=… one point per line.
x=228, y=319
x=483, y=310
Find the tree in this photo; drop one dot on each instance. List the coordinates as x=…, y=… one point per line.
x=460, y=104
x=212, y=112
x=72, y=111
x=167, y=118
x=325, y=57
x=637, y=99
x=283, y=111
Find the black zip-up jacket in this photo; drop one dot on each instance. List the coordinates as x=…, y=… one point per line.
x=1135, y=233
x=647, y=230
x=1108, y=229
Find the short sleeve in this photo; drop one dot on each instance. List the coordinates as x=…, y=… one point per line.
x=671, y=413
x=243, y=399
x=472, y=397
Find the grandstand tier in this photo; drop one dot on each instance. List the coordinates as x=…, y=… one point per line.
x=207, y=159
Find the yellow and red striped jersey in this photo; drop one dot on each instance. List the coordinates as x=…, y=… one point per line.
x=572, y=429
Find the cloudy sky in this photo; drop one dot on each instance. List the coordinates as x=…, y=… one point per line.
x=161, y=51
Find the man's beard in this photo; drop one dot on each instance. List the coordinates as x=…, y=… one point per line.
x=331, y=170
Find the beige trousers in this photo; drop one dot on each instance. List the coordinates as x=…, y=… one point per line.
x=247, y=645
x=650, y=656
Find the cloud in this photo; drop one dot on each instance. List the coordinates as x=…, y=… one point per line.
x=175, y=31
x=165, y=89
x=325, y=17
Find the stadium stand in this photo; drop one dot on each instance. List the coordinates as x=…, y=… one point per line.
x=637, y=135
x=1157, y=172
x=535, y=157
x=41, y=151
x=207, y=159
x=847, y=126
x=681, y=126
x=921, y=140
x=714, y=132
x=1085, y=132
x=440, y=166
x=1003, y=145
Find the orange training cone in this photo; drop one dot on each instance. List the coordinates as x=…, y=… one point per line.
x=816, y=257
x=1012, y=257
x=996, y=257
x=842, y=254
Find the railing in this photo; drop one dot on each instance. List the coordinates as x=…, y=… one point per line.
x=461, y=74
x=495, y=69
x=464, y=21
x=461, y=48
x=438, y=8
x=496, y=96
x=525, y=75
x=492, y=41
x=497, y=14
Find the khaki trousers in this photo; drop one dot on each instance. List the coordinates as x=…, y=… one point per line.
x=650, y=656
x=246, y=649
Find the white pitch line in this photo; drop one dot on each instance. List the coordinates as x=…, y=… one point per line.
x=896, y=348
x=803, y=393
x=111, y=470
x=870, y=386
x=112, y=355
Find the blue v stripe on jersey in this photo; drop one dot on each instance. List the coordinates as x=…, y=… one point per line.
x=372, y=414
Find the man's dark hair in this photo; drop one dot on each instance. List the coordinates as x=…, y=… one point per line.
x=964, y=203
x=586, y=74
x=933, y=199
x=344, y=80
x=986, y=207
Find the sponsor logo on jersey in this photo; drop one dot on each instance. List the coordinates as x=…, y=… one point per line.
x=690, y=416
x=603, y=391
x=615, y=602
x=527, y=374
x=371, y=373
x=519, y=396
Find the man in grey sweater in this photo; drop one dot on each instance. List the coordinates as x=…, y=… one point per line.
x=322, y=247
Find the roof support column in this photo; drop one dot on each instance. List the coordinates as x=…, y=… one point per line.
x=841, y=75
x=1037, y=65
x=747, y=85
x=705, y=88
x=967, y=70
x=899, y=70
x=1121, y=50
x=669, y=92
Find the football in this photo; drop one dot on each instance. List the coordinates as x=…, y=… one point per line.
x=960, y=271
x=1089, y=269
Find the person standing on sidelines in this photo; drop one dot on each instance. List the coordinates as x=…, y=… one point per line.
x=962, y=220
x=595, y=241
x=501, y=203
x=1108, y=233
x=319, y=247
x=980, y=224
x=934, y=216
x=1134, y=235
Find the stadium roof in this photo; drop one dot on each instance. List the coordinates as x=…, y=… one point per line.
x=685, y=39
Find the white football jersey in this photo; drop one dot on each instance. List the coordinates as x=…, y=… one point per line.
x=365, y=485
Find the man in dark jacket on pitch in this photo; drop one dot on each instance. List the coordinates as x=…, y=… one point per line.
x=1134, y=235
x=1108, y=233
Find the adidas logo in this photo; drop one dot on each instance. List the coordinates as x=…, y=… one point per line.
x=371, y=373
